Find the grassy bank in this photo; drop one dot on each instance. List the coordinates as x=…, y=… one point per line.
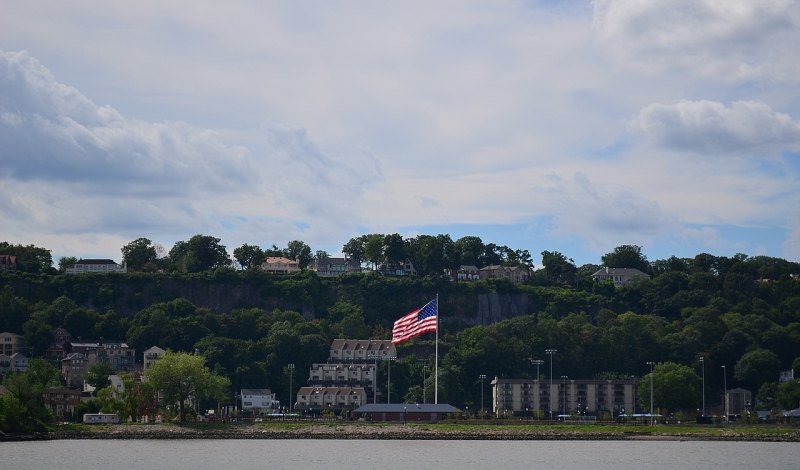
x=447, y=431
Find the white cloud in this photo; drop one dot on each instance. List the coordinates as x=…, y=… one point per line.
x=51, y=132
x=606, y=214
x=73, y=167
x=791, y=246
x=730, y=40
x=704, y=126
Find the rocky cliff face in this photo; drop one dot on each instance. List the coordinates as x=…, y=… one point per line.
x=128, y=295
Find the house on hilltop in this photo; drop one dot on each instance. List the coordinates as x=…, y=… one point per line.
x=619, y=276
x=97, y=266
x=280, y=265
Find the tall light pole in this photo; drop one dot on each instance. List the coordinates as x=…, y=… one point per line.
x=564, y=378
x=389, y=378
x=703, y=368
x=537, y=363
x=482, y=376
x=291, y=374
x=550, y=391
x=725, y=390
x=651, y=364
x=424, y=383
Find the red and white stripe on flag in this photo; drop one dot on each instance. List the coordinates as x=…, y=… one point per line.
x=415, y=323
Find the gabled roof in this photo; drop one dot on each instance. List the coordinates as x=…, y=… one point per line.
x=279, y=260
x=630, y=272
x=407, y=408
x=257, y=391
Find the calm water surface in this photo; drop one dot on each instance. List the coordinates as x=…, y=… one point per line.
x=388, y=455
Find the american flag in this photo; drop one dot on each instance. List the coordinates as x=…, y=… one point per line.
x=415, y=323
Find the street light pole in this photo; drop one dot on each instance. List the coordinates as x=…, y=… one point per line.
x=550, y=391
x=291, y=374
x=389, y=378
x=703, y=368
x=651, y=364
x=424, y=383
x=725, y=390
x=538, y=362
x=482, y=376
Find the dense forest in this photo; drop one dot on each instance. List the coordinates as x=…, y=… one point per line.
x=740, y=312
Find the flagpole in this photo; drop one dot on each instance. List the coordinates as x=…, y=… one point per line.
x=436, y=371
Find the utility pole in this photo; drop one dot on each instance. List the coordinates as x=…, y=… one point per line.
x=482, y=376
x=651, y=364
x=703, y=367
x=550, y=391
x=291, y=374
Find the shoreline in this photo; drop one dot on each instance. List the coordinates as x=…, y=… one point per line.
x=350, y=431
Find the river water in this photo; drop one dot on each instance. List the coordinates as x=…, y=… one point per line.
x=388, y=455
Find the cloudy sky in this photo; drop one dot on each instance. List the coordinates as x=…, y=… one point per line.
x=574, y=126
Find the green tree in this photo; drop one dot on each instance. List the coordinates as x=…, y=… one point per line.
x=97, y=375
x=200, y=253
x=249, y=256
x=30, y=259
x=788, y=396
x=394, y=248
x=181, y=376
x=354, y=248
x=299, y=251
x=139, y=254
x=13, y=310
x=558, y=268
x=373, y=249
x=626, y=256
x=66, y=262
x=757, y=367
x=23, y=409
x=675, y=387
x=470, y=250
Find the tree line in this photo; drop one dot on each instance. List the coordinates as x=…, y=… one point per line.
x=740, y=312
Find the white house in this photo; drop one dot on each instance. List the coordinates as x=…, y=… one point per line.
x=258, y=400
x=97, y=266
x=619, y=276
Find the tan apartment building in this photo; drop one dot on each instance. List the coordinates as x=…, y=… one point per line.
x=11, y=343
x=530, y=397
x=361, y=350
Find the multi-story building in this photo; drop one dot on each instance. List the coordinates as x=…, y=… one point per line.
x=151, y=355
x=280, y=265
x=333, y=267
x=19, y=362
x=532, y=397
x=258, y=400
x=8, y=263
x=465, y=273
x=74, y=368
x=61, y=401
x=402, y=269
x=330, y=398
x=361, y=350
x=619, y=276
x=117, y=354
x=739, y=401
x=97, y=266
x=514, y=274
x=5, y=363
x=349, y=378
x=59, y=347
x=11, y=343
